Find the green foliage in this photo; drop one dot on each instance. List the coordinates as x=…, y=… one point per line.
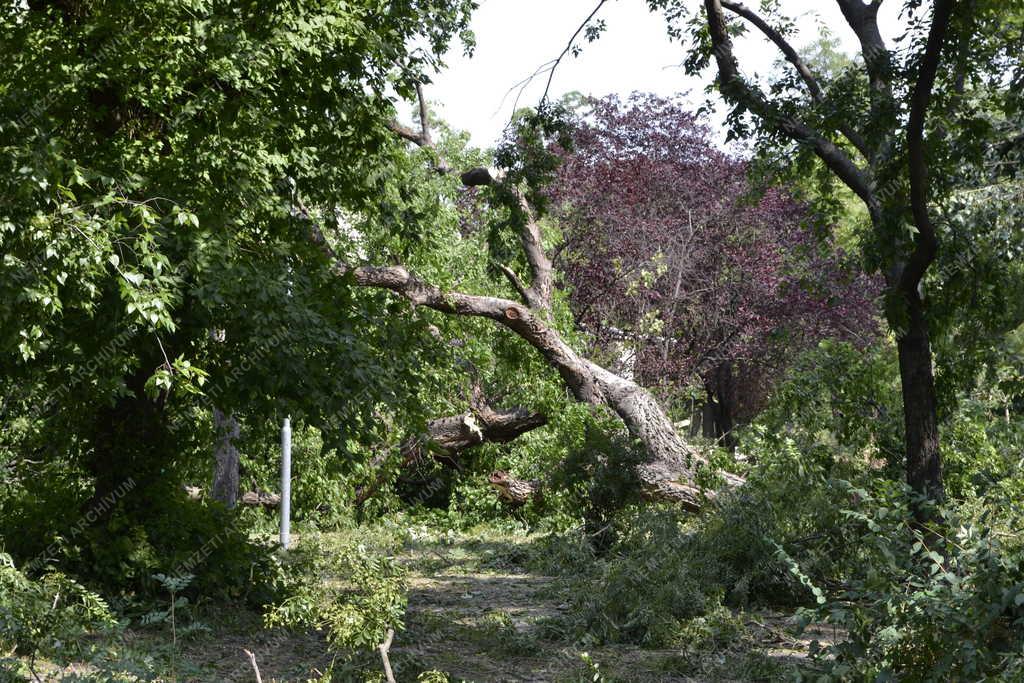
x=349, y=591
x=641, y=589
x=178, y=606
x=970, y=463
x=600, y=477
x=528, y=152
x=473, y=501
x=840, y=405
x=49, y=616
x=154, y=161
x=935, y=604
x=323, y=486
x=176, y=537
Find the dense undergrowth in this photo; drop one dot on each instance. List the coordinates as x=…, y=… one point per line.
x=822, y=531
x=938, y=603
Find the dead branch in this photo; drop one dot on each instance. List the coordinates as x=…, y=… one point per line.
x=383, y=648
x=256, y=669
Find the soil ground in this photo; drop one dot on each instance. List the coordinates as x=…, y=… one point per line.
x=477, y=614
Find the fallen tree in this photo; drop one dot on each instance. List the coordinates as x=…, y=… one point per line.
x=670, y=473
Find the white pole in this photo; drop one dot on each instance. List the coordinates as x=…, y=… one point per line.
x=286, y=481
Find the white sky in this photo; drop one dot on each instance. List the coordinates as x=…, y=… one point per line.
x=515, y=37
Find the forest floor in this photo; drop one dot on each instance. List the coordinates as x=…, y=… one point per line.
x=477, y=613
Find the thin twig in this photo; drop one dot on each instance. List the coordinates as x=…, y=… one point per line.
x=546, y=68
x=252, y=659
x=167, y=361
x=568, y=47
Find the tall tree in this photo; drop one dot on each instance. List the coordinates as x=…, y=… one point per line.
x=150, y=156
x=869, y=130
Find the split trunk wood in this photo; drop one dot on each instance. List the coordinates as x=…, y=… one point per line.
x=513, y=490
x=447, y=437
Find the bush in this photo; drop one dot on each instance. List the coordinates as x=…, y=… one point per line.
x=970, y=462
x=49, y=616
x=600, y=477
x=176, y=536
x=642, y=588
x=935, y=604
x=788, y=500
x=353, y=593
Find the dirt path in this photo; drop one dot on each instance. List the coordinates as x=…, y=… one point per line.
x=476, y=613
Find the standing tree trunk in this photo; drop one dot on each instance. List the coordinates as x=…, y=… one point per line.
x=225, y=459
x=225, y=454
x=707, y=416
x=720, y=407
x=924, y=467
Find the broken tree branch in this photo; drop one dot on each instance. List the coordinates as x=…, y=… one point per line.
x=568, y=48
x=447, y=437
x=256, y=669
x=516, y=283
x=671, y=470
x=736, y=89
x=422, y=137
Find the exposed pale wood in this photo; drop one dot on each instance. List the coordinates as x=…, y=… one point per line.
x=255, y=668
x=384, y=648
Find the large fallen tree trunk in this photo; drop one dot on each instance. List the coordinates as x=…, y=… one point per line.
x=670, y=473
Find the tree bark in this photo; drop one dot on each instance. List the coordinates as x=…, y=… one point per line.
x=513, y=490
x=924, y=467
x=224, y=487
x=923, y=462
x=671, y=471
x=225, y=459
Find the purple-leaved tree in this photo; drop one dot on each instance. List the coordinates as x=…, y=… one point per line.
x=682, y=274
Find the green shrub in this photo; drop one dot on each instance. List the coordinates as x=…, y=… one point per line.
x=970, y=463
x=600, y=475
x=936, y=604
x=176, y=536
x=349, y=591
x=788, y=500
x=49, y=616
x=643, y=587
